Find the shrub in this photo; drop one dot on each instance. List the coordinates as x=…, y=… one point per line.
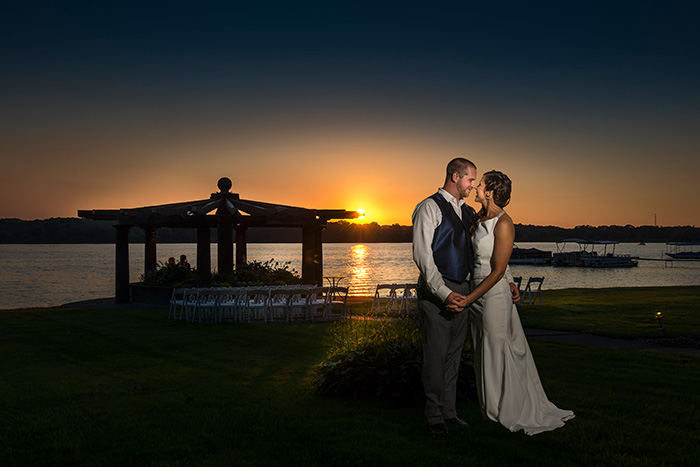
x=253, y=273
x=170, y=275
x=382, y=359
x=270, y=272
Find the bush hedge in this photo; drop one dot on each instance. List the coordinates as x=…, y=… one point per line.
x=382, y=359
x=270, y=272
x=253, y=273
x=170, y=275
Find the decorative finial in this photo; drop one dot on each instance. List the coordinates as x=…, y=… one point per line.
x=224, y=184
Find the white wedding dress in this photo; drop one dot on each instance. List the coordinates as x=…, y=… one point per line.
x=509, y=388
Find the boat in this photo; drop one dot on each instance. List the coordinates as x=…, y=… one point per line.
x=530, y=256
x=683, y=250
x=591, y=254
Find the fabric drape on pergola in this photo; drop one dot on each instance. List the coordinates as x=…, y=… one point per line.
x=227, y=213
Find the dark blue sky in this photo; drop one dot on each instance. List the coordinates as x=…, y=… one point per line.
x=542, y=89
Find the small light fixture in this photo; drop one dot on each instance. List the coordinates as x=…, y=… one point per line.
x=661, y=332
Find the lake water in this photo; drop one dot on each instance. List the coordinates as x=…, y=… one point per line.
x=50, y=275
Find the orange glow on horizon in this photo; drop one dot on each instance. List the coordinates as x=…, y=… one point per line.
x=396, y=175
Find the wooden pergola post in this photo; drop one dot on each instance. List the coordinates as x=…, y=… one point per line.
x=241, y=246
x=225, y=243
x=150, y=255
x=318, y=252
x=203, y=256
x=122, y=291
x=312, y=254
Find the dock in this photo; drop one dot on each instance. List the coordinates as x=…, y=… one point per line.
x=670, y=261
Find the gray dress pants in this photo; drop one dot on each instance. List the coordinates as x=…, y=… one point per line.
x=444, y=333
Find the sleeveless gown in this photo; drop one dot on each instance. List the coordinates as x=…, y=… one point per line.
x=509, y=388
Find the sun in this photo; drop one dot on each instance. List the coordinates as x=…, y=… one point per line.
x=362, y=218
x=369, y=210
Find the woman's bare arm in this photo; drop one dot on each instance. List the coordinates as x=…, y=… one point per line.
x=504, y=234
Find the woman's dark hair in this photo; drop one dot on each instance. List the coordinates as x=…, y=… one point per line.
x=498, y=183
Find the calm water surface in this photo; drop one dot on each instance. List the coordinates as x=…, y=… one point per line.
x=49, y=275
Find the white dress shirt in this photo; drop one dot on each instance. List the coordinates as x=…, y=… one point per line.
x=426, y=218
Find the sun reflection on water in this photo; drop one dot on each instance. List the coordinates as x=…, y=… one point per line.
x=359, y=264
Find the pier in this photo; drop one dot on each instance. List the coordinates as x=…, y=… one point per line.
x=670, y=261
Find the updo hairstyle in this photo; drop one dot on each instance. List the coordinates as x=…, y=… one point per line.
x=498, y=183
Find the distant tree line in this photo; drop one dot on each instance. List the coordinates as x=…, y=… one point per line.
x=626, y=233
x=75, y=230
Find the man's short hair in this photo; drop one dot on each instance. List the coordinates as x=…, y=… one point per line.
x=459, y=165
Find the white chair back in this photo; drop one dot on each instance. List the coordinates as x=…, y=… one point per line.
x=533, y=290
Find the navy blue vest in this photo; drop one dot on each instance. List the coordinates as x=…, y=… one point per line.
x=452, y=246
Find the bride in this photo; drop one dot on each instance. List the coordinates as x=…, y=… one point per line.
x=509, y=388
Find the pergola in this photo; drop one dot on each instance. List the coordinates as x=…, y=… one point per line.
x=226, y=212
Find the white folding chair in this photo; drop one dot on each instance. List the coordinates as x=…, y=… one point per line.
x=317, y=303
x=385, y=293
x=177, y=302
x=256, y=303
x=207, y=308
x=299, y=302
x=279, y=303
x=533, y=293
x=189, y=304
x=230, y=304
x=338, y=297
x=409, y=298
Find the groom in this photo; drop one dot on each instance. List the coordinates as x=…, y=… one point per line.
x=443, y=252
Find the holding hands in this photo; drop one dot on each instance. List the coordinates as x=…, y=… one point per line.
x=456, y=302
x=514, y=292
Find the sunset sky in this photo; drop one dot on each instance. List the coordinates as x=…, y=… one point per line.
x=592, y=108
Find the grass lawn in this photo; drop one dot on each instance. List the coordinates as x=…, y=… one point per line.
x=626, y=313
x=130, y=387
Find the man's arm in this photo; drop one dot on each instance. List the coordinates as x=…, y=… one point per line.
x=426, y=217
x=514, y=292
x=508, y=275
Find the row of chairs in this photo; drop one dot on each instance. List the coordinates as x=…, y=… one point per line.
x=398, y=298
x=533, y=290
x=395, y=298
x=247, y=304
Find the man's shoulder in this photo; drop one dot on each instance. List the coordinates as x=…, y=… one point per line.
x=425, y=207
x=430, y=200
